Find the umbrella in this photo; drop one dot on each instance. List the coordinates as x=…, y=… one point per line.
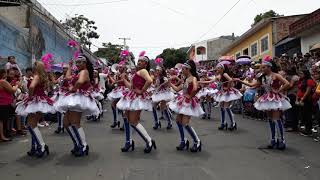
x=225, y=63
x=243, y=60
x=226, y=58
x=178, y=66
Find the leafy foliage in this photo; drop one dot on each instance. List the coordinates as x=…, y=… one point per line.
x=173, y=56
x=83, y=28
x=110, y=52
x=267, y=14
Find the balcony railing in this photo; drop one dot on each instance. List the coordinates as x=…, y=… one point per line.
x=10, y=3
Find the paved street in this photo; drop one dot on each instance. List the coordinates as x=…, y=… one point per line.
x=225, y=155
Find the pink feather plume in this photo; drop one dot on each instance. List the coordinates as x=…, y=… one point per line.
x=47, y=60
x=158, y=60
x=72, y=43
x=267, y=58
x=142, y=53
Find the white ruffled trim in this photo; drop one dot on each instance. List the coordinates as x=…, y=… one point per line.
x=77, y=102
x=31, y=107
x=163, y=96
x=133, y=102
x=97, y=95
x=117, y=93
x=282, y=105
x=186, y=108
x=227, y=96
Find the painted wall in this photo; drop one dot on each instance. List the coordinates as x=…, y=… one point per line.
x=14, y=41
x=308, y=41
x=216, y=46
x=46, y=37
x=252, y=39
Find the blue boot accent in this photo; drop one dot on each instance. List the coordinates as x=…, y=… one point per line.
x=192, y=133
x=168, y=118
x=232, y=122
x=140, y=134
x=127, y=129
x=222, y=116
x=75, y=145
x=75, y=131
x=181, y=131
x=155, y=115
x=281, y=130
x=114, y=112
x=34, y=138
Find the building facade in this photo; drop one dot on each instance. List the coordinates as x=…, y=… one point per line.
x=27, y=31
x=308, y=30
x=209, y=50
x=260, y=40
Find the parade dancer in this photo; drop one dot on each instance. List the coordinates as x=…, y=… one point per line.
x=77, y=102
x=272, y=101
x=36, y=104
x=136, y=100
x=225, y=96
x=162, y=95
x=61, y=89
x=187, y=105
x=151, y=89
x=118, y=92
x=97, y=95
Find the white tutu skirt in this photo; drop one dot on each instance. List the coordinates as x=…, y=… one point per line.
x=272, y=101
x=36, y=104
x=117, y=93
x=202, y=93
x=77, y=102
x=166, y=95
x=131, y=101
x=97, y=95
x=188, y=107
x=227, y=95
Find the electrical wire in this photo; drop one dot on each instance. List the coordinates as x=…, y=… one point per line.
x=87, y=4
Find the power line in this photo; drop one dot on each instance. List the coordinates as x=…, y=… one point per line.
x=214, y=25
x=87, y=4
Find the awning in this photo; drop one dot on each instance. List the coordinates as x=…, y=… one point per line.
x=315, y=47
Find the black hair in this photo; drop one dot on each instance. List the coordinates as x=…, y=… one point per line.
x=89, y=68
x=2, y=73
x=28, y=69
x=163, y=74
x=193, y=69
x=10, y=57
x=148, y=64
x=292, y=71
x=307, y=76
x=274, y=68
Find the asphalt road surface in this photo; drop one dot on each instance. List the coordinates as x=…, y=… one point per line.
x=225, y=155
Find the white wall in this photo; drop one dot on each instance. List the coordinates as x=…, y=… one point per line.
x=204, y=56
x=308, y=41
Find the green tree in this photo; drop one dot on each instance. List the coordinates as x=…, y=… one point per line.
x=267, y=14
x=82, y=28
x=110, y=52
x=173, y=56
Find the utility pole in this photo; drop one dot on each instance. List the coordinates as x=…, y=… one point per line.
x=125, y=43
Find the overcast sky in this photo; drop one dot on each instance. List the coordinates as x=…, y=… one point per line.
x=154, y=25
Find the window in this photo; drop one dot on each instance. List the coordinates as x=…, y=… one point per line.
x=264, y=44
x=254, y=49
x=238, y=54
x=245, y=51
x=201, y=50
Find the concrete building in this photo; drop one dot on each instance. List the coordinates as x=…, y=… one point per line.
x=307, y=29
x=209, y=50
x=261, y=39
x=28, y=30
